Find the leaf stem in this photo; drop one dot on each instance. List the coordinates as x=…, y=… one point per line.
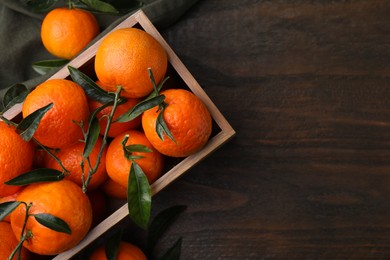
x=18, y=247
x=65, y=171
x=92, y=170
x=23, y=236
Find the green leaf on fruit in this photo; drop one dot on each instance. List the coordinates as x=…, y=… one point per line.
x=36, y=175
x=53, y=222
x=29, y=124
x=7, y=207
x=162, y=128
x=92, y=90
x=140, y=108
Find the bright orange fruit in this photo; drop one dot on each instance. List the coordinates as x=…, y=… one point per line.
x=71, y=158
x=8, y=243
x=16, y=157
x=57, y=128
x=118, y=166
x=114, y=190
x=62, y=199
x=65, y=32
x=123, y=58
x=187, y=118
x=116, y=127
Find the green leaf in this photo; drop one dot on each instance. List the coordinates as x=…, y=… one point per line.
x=161, y=223
x=174, y=252
x=14, y=95
x=29, y=124
x=139, y=198
x=90, y=87
x=36, y=175
x=112, y=246
x=138, y=148
x=39, y=5
x=92, y=137
x=162, y=128
x=140, y=108
x=45, y=66
x=7, y=207
x=100, y=6
x=53, y=222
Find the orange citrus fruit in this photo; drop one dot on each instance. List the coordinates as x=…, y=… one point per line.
x=116, y=127
x=16, y=157
x=123, y=58
x=187, y=118
x=118, y=166
x=71, y=158
x=62, y=199
x=65, y=32
x=9, y=198
x=126, y=251
x=58, y=127
x=114, y=190
x=8, y=243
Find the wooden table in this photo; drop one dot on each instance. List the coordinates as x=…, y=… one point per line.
x=306, y=85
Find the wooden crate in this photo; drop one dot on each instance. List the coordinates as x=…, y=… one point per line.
x=222, y=131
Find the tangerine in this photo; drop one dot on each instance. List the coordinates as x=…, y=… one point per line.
x=123, y=58
x=116, y=127
x=57, y=127
x=65, y=32
x=126, y=251
x=8, y=243
x=62, y=199
x=71, y=158
x=16, y=157
x=114, y=190
x=118, y=166
x=187, y=118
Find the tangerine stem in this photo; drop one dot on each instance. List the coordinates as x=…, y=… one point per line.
x=92, y=170
x=52, y=155
x=18, y=247
x=23, y=236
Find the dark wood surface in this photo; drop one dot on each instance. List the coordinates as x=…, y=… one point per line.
x=306, y=85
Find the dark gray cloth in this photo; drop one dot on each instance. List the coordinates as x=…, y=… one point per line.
x=21, y=45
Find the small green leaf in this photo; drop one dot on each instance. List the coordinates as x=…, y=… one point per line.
x=112, y=246
x=45, y=66
x=161, y=223
x=7, y=207
x=92, y=137
x=162, y=128
x=14, y=95
x=174, y=252
x=90, y=87
x=53, y=222
x=39, y=5
x=29, y=124
x=138, y=148
x=139, y=198
x=100, y=6
x=140, y=108
x=36, y=175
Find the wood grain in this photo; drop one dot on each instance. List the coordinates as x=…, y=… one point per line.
x=306, y=86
